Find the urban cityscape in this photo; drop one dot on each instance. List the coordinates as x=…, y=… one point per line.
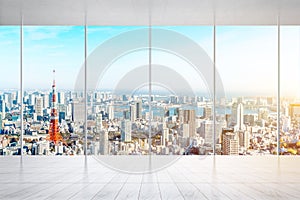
x=53, y=124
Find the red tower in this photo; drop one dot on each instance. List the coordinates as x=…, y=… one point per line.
x=54, y=134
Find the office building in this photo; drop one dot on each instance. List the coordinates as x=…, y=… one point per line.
x=294, y=111
x=138, y=109
x=103, y=142
x=61, y=97
x=230, y=144
x=110, y=111
x=240, y=126
x=164, y=136
x=126, y=131
x=207, y=112
x=263, y=114
x=39, y=106
x=185, y=131
x=2, y=108
x=188, y=117
x=132, y=110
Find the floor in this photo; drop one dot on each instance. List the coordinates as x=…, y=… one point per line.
x=189, y=177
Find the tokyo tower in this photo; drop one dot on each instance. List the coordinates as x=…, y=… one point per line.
x=54, y=134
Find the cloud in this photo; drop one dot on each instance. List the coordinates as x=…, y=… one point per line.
x=45, y=32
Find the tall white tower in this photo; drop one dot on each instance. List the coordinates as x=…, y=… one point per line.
x=111, y=112
x=126, y=131
x=240, y=118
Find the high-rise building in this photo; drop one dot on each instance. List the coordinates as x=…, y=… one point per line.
x=1, y=121
x=270, y=100
x=138, y=109
x=18, y=98
x=124, y=97
x=110, y=111
x=233, y=115
x=61, y=98
x=165, y=136
x=61, y=116
x=2, y=108
x=132, y=113
x=46, y=101
x=185, y=131
x=39, y=106
x=126, y=114
x=244, y=139
x=263, y=113
x=99, y=122
x=8, y=99
x=294, y=111
x=229, y=142
x=13, y=98
x=78, y=110
x=174, y=99
x=207, y=131
x=286, y=123
x=240, y=126
x=189, y=117
x=207, y=112
x=103, y=149
x=31, y=100
x=126, y=131
x=250, y=119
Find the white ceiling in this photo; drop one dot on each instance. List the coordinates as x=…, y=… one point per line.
x=162, y=12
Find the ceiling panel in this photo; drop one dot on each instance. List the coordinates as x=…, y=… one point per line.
x=138, y=12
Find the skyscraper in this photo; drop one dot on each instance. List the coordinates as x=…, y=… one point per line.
x=229, y=142
x=244, y=140
x=0, y=121
x=189, y=117
x=207, y=112
x=233, y=116
x=185, y=130
x=99, y=122
x=39, y=106
x=240, y=118
x=294, y=111
x=132, y=113
x=138, y=109
x=77, y=111
x=46, y=102
x=126, y=131
x=103, y=149
x=164, y=138
x=61, y=98
x=110, y=111
x=126, y=114
x=2, y=108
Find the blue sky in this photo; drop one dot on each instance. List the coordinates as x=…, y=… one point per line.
x=246, y=57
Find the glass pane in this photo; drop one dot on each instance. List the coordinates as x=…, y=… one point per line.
x=118, y=90
x=183, y=90
x=247, y=63
x=53, y=103
x=10, y=101
x=290, y=91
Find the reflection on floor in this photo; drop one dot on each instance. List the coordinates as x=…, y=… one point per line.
x=190, y=177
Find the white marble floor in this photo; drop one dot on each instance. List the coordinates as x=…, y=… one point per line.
x=190, y=177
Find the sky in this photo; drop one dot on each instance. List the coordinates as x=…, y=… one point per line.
x=246, y=57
